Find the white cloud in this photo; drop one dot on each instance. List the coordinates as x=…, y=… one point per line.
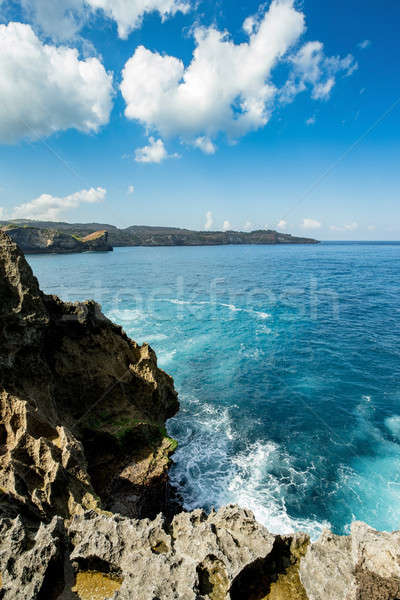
x=282, y=224
x=128, y=14
x=248, y=226
x=310, y=224
x=131, y=189
x=58, y=19
x=349, y=227
x=205, y=145
x=209, y=221
x=226, y=226
x=322, y=91
x=2, y=212
x=44, y=88
x=63, y=19
x=365, y=44
x=311, y=67
x=155, y=152
x=311, y=121
x=49, y=208
x=226, y=86
x=371, y=227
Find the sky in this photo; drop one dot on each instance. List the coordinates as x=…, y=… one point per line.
x=203, y=114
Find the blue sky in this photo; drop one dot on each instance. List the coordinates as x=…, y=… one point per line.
x=203, y=114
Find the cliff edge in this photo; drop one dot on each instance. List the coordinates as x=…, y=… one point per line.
x=141, y=235
x=83, y=407
x=84, y=462
x=51, y=241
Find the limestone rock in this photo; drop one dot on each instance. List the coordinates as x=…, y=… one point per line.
x=196, y=557
x=82, y=406
x=363, y=566
x=29, y=563
x=34, y=240
x=326, y=571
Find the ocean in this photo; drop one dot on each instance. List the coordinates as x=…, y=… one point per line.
x=287, y=363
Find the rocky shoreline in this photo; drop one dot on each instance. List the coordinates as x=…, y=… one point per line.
x=136, y=235
x=85, y=506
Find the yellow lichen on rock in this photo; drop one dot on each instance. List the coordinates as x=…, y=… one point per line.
x=92, y=585
x=213, y=579
x=288, y=586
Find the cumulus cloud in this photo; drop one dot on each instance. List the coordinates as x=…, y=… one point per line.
x=209, y=221
x=49, y=208
x=128, y=14
x=60, y=20
x=310, y=224
x=205, y=145
x=44, y=88
x=248, y=226
x=226, y=226
x=311, y=121
x=312, y=68
x=227, y=88
x=131, y=189
x=63, y=19
x=155, y=152
x=282, y=224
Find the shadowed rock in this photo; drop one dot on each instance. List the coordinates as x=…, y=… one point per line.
x=83, y=407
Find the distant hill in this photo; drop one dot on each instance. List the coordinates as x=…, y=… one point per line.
x=42, y=240
x=141, y=235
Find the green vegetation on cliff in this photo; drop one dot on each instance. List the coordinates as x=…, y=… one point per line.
x=138, y=235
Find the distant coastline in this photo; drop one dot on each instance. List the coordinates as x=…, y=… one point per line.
x=59, y=237
x=38, y=240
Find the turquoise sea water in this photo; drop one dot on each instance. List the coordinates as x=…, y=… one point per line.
x=287, y=361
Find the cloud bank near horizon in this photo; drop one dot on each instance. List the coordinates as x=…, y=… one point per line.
x=49, y=208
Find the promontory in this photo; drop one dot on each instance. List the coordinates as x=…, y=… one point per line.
x=48, y=236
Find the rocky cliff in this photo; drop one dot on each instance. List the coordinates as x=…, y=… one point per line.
x=51, y=241
x=84, y=456
x=138, y=235
x=83, y=407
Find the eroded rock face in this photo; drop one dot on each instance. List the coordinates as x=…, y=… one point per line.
x=30, y=563
x=82, y=406
x=224, y=556
x=362, y=566
x=50, y=241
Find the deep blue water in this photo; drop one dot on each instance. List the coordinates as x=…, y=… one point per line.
x=287, y=361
